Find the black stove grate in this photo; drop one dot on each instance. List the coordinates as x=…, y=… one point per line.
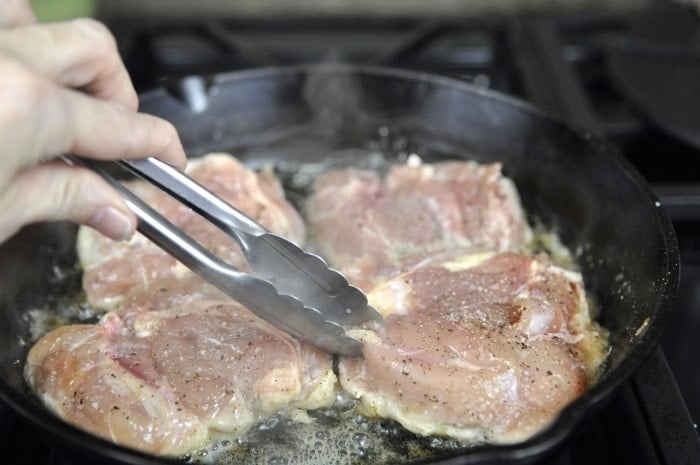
x=559, y=64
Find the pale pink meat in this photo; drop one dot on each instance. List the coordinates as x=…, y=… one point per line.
x=370, y=227
x=71, y=371
x=489, y=348
x=176, y=358
x=113, y=270
x=160, y=381
x=440, y=377
x=502, y=289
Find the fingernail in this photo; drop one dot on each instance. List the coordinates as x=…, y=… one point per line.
x=111, y=222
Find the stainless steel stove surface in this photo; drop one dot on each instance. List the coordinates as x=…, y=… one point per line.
x=583, y=68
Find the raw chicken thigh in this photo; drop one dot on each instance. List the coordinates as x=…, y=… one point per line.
x=158, y=381
x=370, y=227
x=175, y=358
x=479, y=343
x=115, y=270
x=488, y=348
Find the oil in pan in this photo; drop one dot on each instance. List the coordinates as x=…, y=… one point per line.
x=336, y=434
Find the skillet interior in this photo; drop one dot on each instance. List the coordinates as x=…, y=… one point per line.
x=569, y=181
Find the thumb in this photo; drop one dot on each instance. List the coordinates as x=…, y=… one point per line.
x=55, y=192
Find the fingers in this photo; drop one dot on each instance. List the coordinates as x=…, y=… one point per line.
x=40, y=120
x=15, y=13
x=45, y=110
x=80, y=54
x=65, y=193
x=104, y=130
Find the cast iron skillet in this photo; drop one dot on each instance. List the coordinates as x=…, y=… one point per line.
x=568, y=180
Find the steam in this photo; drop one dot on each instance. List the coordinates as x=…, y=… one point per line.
x=334, y=97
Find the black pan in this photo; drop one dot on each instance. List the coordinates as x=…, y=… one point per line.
x=569, y=181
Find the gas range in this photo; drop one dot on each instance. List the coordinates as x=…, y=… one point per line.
x=592, y=70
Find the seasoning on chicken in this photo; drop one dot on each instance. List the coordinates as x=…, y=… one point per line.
x=488, y=347
x=371, y=227
x=160, y=381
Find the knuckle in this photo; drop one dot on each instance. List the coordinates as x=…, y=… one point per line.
x=101, y=39
x=74, y=193
x=68, y=192
x=168, y=141
x=168, y=134
x=157, y=133
x=108, y=77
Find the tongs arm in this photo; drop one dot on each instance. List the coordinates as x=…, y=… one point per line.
x=290, y=269
x=259, y=295
x=193, y=194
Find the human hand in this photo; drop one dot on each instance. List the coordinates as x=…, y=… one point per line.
x=64, y=89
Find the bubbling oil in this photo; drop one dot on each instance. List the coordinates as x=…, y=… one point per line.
x=333, y=435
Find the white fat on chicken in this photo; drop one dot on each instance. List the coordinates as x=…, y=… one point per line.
x=114, y=270
x=486, y=347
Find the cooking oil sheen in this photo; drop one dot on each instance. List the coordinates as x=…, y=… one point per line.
x=333, y=435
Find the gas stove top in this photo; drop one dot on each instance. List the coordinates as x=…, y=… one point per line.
x=586, y=69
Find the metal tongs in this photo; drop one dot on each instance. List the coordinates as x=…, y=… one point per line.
x=294, y=290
